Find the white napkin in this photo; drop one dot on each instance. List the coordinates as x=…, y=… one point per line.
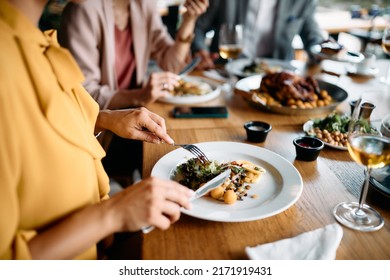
x=319, y=244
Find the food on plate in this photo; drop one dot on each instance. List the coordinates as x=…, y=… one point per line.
x=260, y=68
x=288, y=89
x=194, y=174
x=333, y=129
x=185, y=88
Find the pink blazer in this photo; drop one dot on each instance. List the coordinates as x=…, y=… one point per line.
x=87, y=30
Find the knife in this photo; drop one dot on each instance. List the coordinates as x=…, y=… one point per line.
x=189, y=67
x=210, y=185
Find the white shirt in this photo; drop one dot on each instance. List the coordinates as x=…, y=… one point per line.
x=259, y=28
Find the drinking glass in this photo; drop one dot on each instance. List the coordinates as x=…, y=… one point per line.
x=230, y=44
x=370, y=149
x=386, y=50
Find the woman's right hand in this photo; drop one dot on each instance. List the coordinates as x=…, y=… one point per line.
x=151, y=202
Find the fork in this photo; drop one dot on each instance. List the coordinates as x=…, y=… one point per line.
x=195, y=151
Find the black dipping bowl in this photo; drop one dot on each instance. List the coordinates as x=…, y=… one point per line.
x=308, y=148
x=257, y=131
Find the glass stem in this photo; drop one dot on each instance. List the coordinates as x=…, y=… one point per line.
x=231, y=82
x=388, y=75
x=363, y=193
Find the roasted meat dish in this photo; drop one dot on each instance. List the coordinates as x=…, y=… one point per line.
x=284, y=86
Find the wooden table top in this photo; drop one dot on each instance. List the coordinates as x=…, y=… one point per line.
x=331, y=179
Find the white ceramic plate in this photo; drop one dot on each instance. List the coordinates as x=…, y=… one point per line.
x=342, y=56
x=369, y=72
x=236, y=66
x=193, y=99
x=309, y=125
x=278, y=189
x=244, y=86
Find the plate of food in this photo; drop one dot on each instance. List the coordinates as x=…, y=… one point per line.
x=262, y=183
x=334, y=51
x=332, y=130
x=245, y=67
x=290, y=94
x=192, y=90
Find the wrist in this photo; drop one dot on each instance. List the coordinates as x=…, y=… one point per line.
x=185, y=39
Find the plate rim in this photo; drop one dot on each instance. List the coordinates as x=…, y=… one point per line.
x=316, y=50
x=194, y=99
x=309, y=124
x=257, y=59
x=292, y=189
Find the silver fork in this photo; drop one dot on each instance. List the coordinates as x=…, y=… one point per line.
x=195, y=151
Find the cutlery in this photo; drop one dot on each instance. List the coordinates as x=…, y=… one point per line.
x=195, y=151
x=209, y=186
x=187, y=69
x=212, y=184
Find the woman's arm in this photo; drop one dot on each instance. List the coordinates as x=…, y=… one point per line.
x=153, y=202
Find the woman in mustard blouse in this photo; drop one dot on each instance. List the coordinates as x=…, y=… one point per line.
x=54, y=202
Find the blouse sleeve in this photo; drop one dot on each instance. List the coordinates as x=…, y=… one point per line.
x=79, y=32
x=162, y=43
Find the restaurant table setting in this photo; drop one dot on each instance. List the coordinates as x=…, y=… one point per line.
x=288, y=213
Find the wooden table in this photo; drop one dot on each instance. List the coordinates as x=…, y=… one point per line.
x=332, y=178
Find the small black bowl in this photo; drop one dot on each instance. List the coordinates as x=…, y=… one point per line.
x=257, y=131
x=308, y=148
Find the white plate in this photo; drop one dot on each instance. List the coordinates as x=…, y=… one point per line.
x=278, y=189
x=309, y=125
x=244, y=86
x=342, y=56
x=236, y=66
x=193, y=99
x=369, y=72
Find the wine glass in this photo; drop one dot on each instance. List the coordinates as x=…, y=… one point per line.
x=386, y=50
x=230, y=44
x=369, y=148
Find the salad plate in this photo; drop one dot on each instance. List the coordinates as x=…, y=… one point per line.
x=277, y=190
x=211, y=89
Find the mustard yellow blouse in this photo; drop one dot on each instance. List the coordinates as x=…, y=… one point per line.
x=50, y=161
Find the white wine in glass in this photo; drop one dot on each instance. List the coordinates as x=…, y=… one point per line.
x=230, y=44
x=386, y=50
x=372, y=150
x=230, y=51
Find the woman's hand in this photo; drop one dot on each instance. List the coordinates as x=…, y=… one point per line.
x=195, y=8
x=151, y=202
x=158, y=85
x=138, y=124
x=207, y=59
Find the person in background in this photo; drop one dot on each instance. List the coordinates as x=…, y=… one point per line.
x=54, y=202
x=269, y=27
x=113, y=42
